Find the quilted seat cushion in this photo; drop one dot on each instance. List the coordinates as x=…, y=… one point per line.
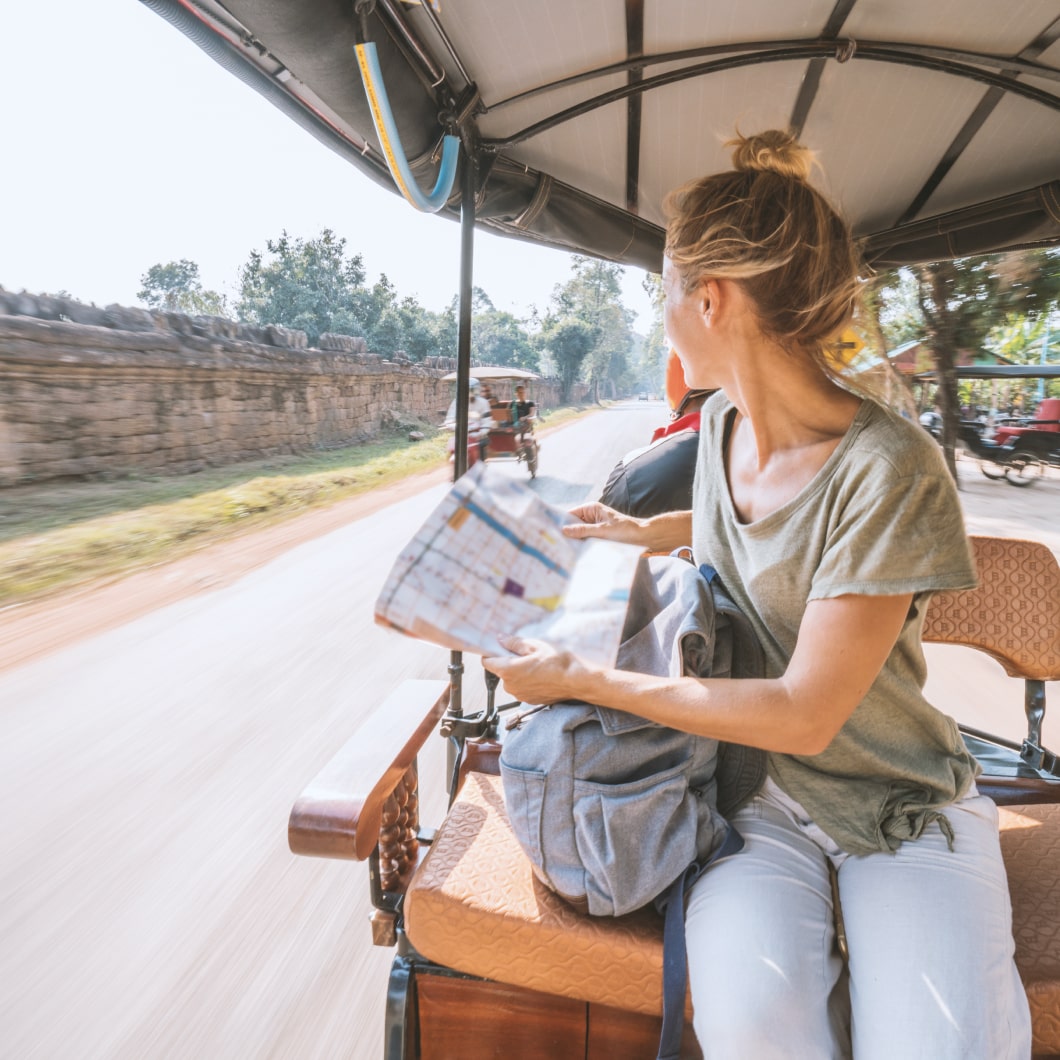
x=475, y=906
x=1030, y=842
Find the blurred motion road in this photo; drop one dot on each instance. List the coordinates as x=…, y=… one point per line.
x=149, y=906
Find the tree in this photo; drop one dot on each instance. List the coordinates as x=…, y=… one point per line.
x=387, y=335
x=306, y=284
x=962, y=301
x=500, y=338
x=895, y=305
x=1020, y=340
x=594, y=296
x=480, y=301
x=420, y=329
x=656, y=350
x=569, y=341
x=176, y=287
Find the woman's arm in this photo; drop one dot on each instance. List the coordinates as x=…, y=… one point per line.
x=660, y=533
x=842, y=646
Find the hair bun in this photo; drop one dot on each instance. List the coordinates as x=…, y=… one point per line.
x=773, y=151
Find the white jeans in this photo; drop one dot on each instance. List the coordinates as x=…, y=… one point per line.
x=929, y=930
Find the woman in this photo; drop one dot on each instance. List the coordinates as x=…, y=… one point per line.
x=830, y=521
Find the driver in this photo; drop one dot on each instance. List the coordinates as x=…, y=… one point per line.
x=524, y=411
x=478, y=416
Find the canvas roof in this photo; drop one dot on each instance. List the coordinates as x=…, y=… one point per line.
x=936, y=124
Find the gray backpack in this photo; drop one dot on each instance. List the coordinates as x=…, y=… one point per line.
x=615, y=811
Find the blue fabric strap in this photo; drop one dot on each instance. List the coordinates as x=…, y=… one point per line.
x=675, y=962
x=708, y=572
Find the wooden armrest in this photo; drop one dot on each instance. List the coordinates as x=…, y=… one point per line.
x=340, y=813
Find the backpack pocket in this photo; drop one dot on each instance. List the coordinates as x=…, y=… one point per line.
x=631, y=835
x=524, y=799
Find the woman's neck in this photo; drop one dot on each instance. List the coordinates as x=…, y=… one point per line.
x=791, y=418
x=786, y=402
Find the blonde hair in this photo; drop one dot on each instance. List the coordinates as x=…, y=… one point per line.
x=764, y=226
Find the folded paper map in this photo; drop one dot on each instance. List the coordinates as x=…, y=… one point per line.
x=491, y=560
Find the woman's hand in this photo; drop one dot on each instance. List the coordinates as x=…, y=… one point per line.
x=537, y=673
x=597, y=520
x=661, y=533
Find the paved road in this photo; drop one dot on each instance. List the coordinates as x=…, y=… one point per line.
x=148, y=904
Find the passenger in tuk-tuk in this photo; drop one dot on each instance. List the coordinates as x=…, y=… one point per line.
x=478, y=416
x=830, y=520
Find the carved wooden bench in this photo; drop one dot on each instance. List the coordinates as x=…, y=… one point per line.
x=491, y=963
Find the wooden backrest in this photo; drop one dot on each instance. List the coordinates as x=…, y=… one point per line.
x=1014, y=613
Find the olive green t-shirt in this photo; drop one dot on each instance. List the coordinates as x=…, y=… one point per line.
x=881, y=517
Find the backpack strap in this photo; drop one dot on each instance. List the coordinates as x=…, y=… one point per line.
x=671, y=903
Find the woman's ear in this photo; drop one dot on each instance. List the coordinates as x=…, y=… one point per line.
x=709, y=300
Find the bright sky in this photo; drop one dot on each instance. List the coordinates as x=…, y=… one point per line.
x=126, y=146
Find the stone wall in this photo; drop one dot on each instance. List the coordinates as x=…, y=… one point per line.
x=87, y=392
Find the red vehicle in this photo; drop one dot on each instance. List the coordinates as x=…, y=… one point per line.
x=1020, y=451
x=1046, y=419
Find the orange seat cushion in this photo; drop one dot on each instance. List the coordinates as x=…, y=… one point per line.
x=476, y=906
x=1030, y=843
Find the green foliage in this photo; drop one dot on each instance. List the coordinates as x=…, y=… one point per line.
x=995, y=302
x=176, y=287
x=316, y=286
x=656, y=348
x=445, y=331
x=419, y=330
x=894, y=300
x=480, y=301
x=962, y=302
x=593, y=297
x=500, y=338
x=312, y=285
x=309, y=285
x=1020, y=339
x=569, y=341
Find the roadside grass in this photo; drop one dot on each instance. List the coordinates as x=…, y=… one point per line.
x=56, y=537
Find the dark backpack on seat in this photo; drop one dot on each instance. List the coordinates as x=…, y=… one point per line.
x=616, y=812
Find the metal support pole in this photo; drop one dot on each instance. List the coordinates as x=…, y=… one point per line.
x=463, y=342
x=463, y=377
x=1043, y=358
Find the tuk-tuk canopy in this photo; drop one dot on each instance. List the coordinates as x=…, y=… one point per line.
x=937, y=125
x=489, y=371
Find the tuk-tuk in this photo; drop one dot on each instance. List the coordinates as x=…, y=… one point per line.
x=507, y=431
x=938, y=126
